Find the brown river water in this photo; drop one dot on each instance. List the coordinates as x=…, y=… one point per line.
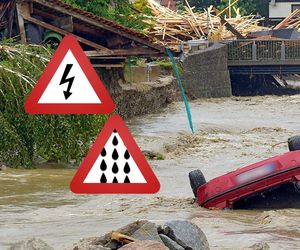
x=230, y=133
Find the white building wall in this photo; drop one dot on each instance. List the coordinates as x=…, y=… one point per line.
x=280, y=10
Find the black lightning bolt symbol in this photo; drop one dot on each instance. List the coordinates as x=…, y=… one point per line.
x=67, y=80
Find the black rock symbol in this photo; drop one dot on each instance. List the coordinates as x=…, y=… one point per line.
x=103, y=179
x=103, y=152
x=115, y=168
x=126, y=180
x=103, y=165
x=126, y=168
x=115, y=180
x=126, y=155
x=115, y=155
x=115, y=141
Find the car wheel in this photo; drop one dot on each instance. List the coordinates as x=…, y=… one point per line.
x=33, y=33
x=294, y=143
x=197, y=179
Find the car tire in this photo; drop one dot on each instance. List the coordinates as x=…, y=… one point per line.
x=33, y=33
x=294, y=143
x=197, y=179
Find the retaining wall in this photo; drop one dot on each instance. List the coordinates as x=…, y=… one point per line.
x=138, y=98
x=205, y=73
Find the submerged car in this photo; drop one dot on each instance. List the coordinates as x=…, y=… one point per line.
x=272, y=183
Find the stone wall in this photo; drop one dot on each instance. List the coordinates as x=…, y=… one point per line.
x=205, y=73
x=138, y=98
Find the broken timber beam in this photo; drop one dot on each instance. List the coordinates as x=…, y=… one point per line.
x=24, y=9
x=229, y=26
x=21, y=22
x=89, y=20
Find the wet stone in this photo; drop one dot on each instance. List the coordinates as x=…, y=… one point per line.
x=144, y=245
x=186, y=234
x=260, y=246
x=31, y=244
x=2, y=167
x=147, y=232
x=89, y=244
x=171, y=244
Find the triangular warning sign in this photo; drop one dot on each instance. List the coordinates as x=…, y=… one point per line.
x=115, y=165
x=69, y=85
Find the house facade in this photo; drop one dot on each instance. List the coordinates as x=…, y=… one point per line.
x=280, y=9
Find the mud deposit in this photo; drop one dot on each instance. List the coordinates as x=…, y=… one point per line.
x=231, y=133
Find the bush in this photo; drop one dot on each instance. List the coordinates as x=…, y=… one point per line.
x=124, y=12
x=58, y=138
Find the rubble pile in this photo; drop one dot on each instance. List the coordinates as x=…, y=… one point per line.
x=171, y=28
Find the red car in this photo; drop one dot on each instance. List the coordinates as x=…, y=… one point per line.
x=272, y=183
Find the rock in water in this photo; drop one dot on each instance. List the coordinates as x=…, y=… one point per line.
x=186, y=234
x=171, y=244
x=31, y=244
x=89, y=244
x=2, y=167
x=147, y=232
x=260, y=246
x=144, y=245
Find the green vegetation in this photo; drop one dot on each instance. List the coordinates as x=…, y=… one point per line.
x=247, y=7
x=57, y=138
x=123, y=12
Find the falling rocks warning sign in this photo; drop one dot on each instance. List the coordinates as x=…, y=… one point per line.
x=115, y=165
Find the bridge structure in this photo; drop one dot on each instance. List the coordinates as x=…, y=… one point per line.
x=264, y=57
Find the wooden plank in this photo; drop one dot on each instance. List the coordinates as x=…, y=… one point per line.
x=229, y=6
x=287, y=19
x=136, y=52
x=102, y=49
x=21, y=23
x=11, y=15
x=76, y=26
x=108, y=65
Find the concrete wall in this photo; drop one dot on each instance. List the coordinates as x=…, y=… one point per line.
x=281, y=9
x=205, y=73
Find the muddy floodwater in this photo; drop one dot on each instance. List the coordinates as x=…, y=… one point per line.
x=230, y=133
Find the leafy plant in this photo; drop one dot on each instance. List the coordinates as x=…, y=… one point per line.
x=22, y=137
x=121, y=11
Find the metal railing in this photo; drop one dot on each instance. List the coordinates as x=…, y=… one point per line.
x=264, y=50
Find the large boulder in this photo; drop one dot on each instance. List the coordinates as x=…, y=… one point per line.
x=144, y=245
x=31, y=244
x=171, y=244
x=148, y=231
x=186, y=234
x=2, y=166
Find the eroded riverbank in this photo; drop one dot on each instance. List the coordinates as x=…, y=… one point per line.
x=231, y=133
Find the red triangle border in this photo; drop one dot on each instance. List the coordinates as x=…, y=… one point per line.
x=106, y=106
x=152, y=184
